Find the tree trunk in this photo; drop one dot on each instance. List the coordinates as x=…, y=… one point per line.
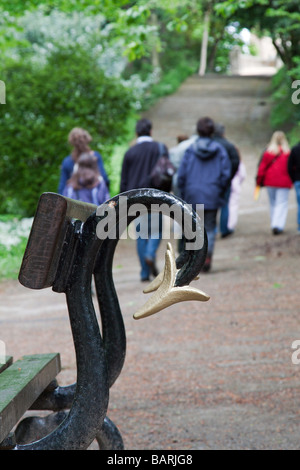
x=212, y=56
x=283, y=53
x=154, y=52
x=204, y=44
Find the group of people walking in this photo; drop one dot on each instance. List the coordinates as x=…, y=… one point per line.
x=209, y=171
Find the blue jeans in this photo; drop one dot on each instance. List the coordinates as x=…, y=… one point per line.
x=148, y=242
x=224, y=214
x=279, y=199
x=297, y=189
x=210, y=224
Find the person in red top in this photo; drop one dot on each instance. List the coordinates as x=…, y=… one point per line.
x=273, y=173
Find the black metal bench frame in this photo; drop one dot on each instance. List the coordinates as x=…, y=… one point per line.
x=64, y=252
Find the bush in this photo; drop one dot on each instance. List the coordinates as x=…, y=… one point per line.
x=43, y=103
x=285, y=115
x=282, y=113
x=170, y=81
x=13, y=240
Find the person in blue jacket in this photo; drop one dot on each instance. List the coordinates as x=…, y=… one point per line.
x=80, y=140
x=203, y=177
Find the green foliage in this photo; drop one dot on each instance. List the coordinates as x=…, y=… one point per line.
x=221, y=45
x=285, y=114
x=50, y=88
x=282, y=112
x=10, y=260
x=62, y=64
x=42, y=105
x=17, y=7
x=13, y=238
x=279, y=18
x=169, y=83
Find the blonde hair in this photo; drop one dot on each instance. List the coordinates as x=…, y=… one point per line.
x=278, y=142
x=79, y=139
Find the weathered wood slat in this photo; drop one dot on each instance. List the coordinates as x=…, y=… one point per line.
x=21, y=384
x=45, y=243
x=41, y=258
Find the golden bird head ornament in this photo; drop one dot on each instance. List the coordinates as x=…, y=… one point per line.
x=165, y=292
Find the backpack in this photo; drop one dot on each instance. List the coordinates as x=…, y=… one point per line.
x=162, y=174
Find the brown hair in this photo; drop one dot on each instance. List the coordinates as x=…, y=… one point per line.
x=205, y=127
x=181, y=138
x=87, y=175
x=79, y=139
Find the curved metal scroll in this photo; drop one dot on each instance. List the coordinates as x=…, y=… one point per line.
x=100, y=358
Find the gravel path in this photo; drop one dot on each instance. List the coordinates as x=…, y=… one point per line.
x=214, y=375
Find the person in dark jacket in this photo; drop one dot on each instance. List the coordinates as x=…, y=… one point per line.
x=294, y=172
x=233, y=154
x=137, y=165
x=80, y=140
x=203, y=177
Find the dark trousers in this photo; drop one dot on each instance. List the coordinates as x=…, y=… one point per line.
x=210, y=225
x=225, y=214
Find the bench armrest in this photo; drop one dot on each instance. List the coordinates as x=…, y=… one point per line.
x=52, y=219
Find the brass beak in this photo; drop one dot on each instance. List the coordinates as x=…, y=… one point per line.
x=154, y=285
x=165, y=292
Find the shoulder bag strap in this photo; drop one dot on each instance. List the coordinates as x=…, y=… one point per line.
x=274, y=159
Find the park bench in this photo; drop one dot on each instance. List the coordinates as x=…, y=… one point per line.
x=23, y=382
x=65, y=252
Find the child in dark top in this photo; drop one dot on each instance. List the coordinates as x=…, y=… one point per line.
x=86, y=184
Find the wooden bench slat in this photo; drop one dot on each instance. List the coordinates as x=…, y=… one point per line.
x=21, y=384
x=41, y=258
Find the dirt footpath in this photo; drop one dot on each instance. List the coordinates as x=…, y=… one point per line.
x=213, y=375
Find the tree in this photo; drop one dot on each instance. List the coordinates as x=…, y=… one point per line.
x=280, y=20
x=201, y=25
x=277, y=18
x=136, y=27
x=43, y=104
x=127, y=21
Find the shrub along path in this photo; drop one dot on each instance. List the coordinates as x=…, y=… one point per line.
x=214, y=375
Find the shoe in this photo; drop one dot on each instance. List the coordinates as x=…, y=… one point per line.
x=226, y=234
x=277, y=231
x=207, y=265
x=153, y=268
x=145, y=279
